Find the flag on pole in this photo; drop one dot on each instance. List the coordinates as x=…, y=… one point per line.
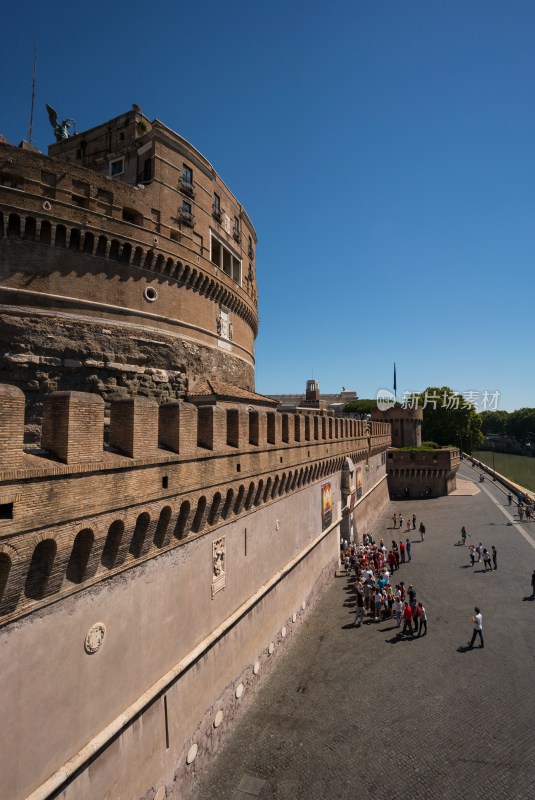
x=395, y=384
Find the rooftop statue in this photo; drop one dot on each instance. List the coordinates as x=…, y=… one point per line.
x=61, y=129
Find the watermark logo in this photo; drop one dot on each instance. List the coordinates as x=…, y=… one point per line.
x=385, y=399
x=480, y=401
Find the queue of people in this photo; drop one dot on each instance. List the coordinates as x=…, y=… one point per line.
x=376, y=598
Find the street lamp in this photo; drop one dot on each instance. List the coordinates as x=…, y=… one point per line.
x=493, y=467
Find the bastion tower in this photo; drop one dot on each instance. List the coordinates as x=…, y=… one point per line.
x=126, y=267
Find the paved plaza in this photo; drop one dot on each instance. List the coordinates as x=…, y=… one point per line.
x=360, y=712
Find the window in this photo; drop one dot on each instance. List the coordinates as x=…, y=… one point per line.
x=187, y=175
x=216, y=208
x=116, y=167
x=250, y=251
x=236, y=229
x=186, y=181
x=185, y=214
x=225, y=260
x=147, y=169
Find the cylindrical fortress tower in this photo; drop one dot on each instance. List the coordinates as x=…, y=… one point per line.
x=126, y=266
x=406, y=425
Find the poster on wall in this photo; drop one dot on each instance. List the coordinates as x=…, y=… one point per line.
x=359, y=482
x=326, y=506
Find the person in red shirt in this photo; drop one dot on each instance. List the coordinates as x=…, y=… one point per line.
x=402, y=552
x=392, y=561
x=407, y=620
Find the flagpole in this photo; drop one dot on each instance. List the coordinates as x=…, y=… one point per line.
x=33, y=92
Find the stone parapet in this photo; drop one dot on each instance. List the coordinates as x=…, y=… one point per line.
x=171, y=472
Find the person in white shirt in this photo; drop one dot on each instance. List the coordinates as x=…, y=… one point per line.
x=478, y=628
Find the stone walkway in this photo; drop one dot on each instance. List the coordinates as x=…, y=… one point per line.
x=359, y=712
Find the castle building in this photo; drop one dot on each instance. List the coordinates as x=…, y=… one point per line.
x=149, y=577
x=127, y=266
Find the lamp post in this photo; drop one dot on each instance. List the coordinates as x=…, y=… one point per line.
x=493, y=467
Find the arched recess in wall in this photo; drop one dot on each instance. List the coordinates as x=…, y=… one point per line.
x=110, y=551
x=200, y=516
x=215, y=508
x=80, y=554
x=45, y=235
x=160, y=535
x=40, y=569
x=238, y=505
x=282, y=484
x=275, y=488
x=183, y=520
x=267, y=492
x=5, y=567
x=250, y=495
x=140, y=534
x=259, y=493
x=13, y=225
x=30, y=229
x=228, y=503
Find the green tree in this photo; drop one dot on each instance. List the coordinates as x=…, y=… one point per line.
x=447, y=425
x=521, y=424
x=494, y=422
x=360, y=406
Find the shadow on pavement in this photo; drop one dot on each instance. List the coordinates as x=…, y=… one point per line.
x=468, y=648
x=530, y=597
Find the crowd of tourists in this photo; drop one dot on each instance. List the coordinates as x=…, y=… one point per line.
x=378, y=597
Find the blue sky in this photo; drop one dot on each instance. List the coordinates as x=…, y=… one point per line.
x=383, y=149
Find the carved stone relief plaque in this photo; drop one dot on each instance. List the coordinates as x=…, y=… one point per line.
x=219, y=575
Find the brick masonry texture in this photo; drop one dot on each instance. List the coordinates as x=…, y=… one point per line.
x=80, y=511
x=105, y=287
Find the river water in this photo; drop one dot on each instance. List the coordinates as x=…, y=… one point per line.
x=520, y=469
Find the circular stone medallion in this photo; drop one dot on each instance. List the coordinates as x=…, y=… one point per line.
x=95, y=637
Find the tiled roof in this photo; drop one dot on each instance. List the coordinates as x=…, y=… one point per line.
x=211, y=388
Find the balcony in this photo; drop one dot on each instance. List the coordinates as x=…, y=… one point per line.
x=186, y=187
x=186, y=218
x=217, y=213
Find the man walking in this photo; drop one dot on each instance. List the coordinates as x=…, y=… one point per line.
x=479, y=549
x=408, y=548
x=423, y=619
x=422, y=531
x=486, y=559
x=395, y=520
x=478, y=628
x=494, y=557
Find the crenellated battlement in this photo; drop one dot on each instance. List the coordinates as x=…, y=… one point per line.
x=78, y=510
x=143, y=431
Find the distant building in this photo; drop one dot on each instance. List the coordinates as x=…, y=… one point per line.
x=313, y=399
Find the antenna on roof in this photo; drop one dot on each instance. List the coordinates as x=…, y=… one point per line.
x=33, y=92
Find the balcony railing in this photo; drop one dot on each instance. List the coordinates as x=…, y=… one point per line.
x=237, y=235
x=186, y=186
x=186, y=218
x=216, y=213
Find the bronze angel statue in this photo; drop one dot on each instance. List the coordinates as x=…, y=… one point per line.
x=61, y=129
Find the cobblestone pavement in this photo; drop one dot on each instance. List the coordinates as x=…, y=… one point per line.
x=359, y=712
